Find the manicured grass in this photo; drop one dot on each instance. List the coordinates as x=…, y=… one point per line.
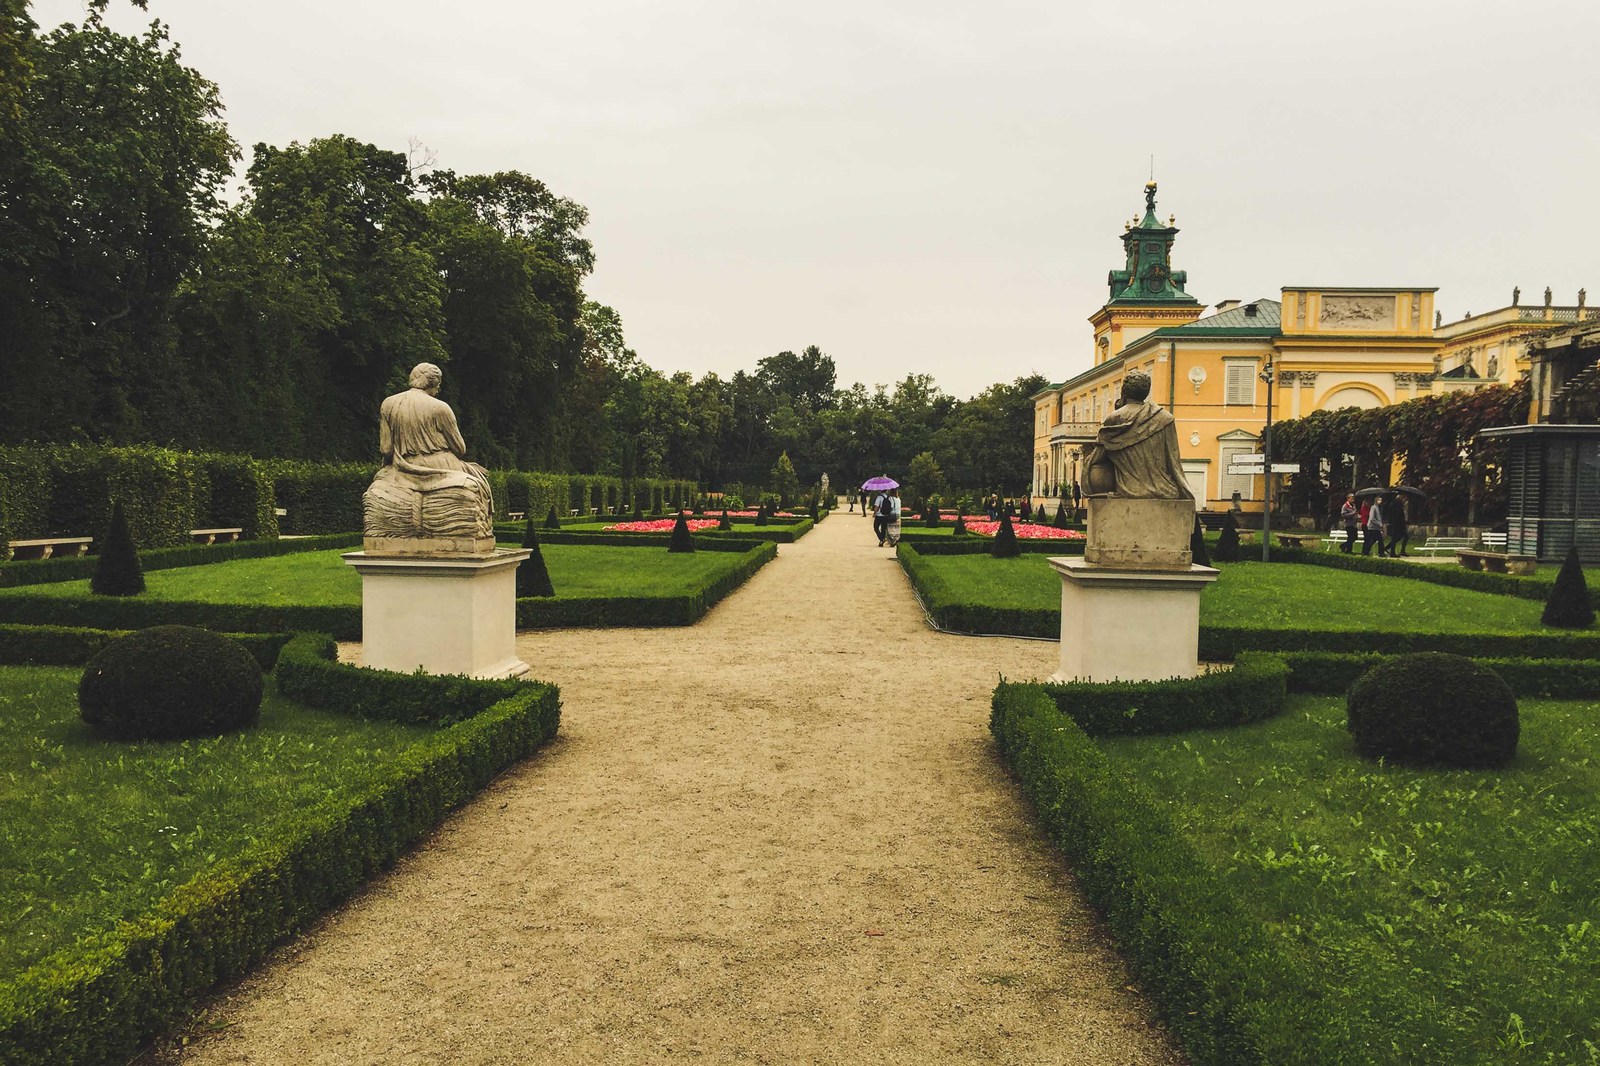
x=1451, y=915
x=1265, y=595
x=94, y=831
x=322, y=578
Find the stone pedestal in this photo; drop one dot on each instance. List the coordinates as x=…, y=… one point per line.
x=445, y=614
x=1122, y=624
x=1139, y=534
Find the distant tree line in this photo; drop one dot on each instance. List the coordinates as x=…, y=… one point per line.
x=137, y=305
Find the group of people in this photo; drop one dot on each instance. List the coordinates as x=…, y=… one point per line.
x=885, y=511
x=1381, y=522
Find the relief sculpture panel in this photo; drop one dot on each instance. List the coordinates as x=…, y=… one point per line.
x=1357, y=312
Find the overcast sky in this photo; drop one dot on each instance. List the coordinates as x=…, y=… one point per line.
x=939, y=187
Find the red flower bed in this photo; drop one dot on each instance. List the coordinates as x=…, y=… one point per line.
x=1024, y=530
x=661, y=525
x=752, y=514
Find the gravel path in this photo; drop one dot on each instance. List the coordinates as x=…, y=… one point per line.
x=781, y=835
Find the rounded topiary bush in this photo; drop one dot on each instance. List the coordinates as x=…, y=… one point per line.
x=169, y=682
x=1434, y=709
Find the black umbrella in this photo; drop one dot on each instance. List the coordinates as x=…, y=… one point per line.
x=1404, y=490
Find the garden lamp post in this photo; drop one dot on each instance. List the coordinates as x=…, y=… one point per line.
x=1268, y=375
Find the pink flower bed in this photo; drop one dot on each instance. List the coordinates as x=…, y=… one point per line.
x=752, y=514
x=1024, y=530
x=661, y=525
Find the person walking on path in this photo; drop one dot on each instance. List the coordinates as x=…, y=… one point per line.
x=1349, y=514
x=880, y=521
x=1399, y=531
x=891, y=518
x=1374, y=529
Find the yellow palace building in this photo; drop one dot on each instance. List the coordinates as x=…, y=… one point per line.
x=1329, y=346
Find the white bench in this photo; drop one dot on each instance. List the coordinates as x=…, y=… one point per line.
x=1334, y=537
x=1494, y=541
x=1436, y=545
x=212, y=536
x=47, y=547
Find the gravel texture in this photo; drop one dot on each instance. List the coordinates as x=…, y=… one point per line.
x=781, y=835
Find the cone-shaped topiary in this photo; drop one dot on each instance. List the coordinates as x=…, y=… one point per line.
x=1005, y=539
x=638, y=511
x=960, y=528
x=1197, y=544
x=724, y=524
x=1569, y=606
x=533, y=578
x=1228, y=541
x=761, y=515
x=1433, y=709
x=168, y=682
x=550, y=520
x=681, y=540
x=118, y=572
x=1061, y=515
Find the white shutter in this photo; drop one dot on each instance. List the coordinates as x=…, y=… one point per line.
x=1241, y=384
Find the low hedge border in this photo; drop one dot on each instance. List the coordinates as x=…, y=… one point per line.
x=725, y=542
x=949, y=614
x=99, y=1000
x=679, y=610
x=1527, y=588
x=1228, y=993
x=938, y=544
x=1254, y=689
x=22, y=645
x=1555, y=679
x=344, y=622
x=76, y=568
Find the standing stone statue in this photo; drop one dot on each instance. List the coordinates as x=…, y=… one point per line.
x=426, y=497
x=1135, y=454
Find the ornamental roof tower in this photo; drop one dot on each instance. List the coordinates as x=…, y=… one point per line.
x=1148, y=277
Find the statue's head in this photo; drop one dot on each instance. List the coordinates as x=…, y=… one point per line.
x=1136, y=387
x=427, y=377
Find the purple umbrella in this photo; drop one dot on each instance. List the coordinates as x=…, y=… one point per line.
x=875, y=484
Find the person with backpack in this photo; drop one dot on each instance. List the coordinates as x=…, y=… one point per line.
x=891, y=518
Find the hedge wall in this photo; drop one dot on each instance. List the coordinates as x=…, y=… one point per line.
x=320, y=497
x=68, y=491
x=1231, y=996
x=100, y=999
x=678, y=610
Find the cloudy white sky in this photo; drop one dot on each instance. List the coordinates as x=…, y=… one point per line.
x=923, y=186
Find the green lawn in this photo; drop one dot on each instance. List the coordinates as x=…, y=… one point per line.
x=92, y=831
x=1267, y=594
x=1454, y=914
x=322, y=578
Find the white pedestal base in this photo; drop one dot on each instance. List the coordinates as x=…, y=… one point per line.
x=1129, y=625
x=446, y=615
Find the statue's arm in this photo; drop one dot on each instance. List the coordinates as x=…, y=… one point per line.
x=385, y=440
x=452, y=432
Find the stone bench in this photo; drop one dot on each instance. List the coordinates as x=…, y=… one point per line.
x=212, y=536
x=516, y=516
x=49, y=547
x=1498, y=562
x=1298, y=540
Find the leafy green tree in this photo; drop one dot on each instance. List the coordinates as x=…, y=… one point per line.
x=784, y=480
x=923, y=478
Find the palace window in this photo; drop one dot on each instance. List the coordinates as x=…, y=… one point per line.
x=1241, y=382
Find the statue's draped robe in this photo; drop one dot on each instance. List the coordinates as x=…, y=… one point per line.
x=1140, y=441
x=425, y=487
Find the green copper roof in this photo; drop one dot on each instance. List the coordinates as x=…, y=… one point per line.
x=1269, y=313
x=1147, y=275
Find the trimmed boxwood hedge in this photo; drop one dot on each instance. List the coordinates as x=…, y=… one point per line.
x=24, y=645
x=1254, y=689
x=1527, y=588
x=73, y=568
x=100, y=999
x=344, y=622
x=1555, y=679
x=1222, y=985
x=975, y=545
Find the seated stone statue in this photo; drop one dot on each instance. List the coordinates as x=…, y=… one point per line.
x=426, y=490
x=1135, y=454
